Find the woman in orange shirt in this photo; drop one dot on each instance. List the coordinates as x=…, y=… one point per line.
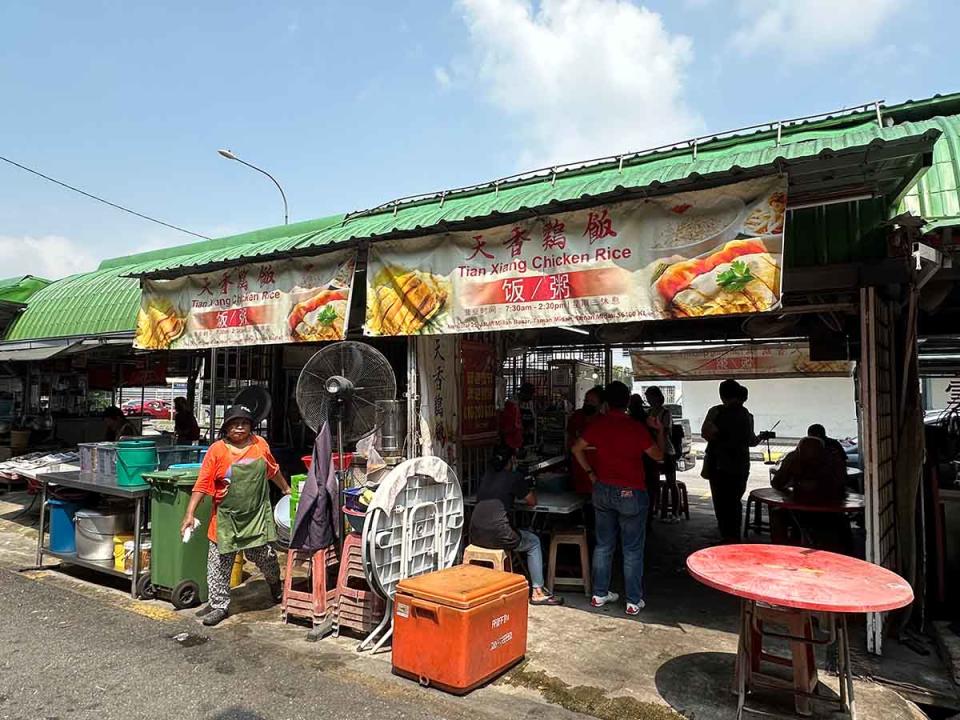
x=235, y=473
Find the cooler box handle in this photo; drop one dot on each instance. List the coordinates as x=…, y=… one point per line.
x=425, y=609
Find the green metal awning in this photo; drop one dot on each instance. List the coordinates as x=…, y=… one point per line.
x=91, y=304
x=866, y=161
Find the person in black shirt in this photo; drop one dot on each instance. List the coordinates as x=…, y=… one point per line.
x=490, y=525
x=728, y=430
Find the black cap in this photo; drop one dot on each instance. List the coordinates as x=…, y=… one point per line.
x=238, y=412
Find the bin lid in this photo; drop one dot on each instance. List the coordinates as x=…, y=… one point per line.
x=171, y=477
x=462, y=586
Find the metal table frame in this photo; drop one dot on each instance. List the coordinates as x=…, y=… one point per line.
x=104, y=486
x=747, y=679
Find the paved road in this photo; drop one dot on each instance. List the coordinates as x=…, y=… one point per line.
x=65, y=655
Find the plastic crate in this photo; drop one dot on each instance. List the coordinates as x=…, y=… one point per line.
x=178, y=455
x=101, y=458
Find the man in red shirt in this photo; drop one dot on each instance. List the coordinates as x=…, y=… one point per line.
x=579, y=421
x=620, y=499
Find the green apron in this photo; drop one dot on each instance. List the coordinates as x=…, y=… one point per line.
x=245, y=518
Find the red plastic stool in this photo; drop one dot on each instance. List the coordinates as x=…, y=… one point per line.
x=317, y=603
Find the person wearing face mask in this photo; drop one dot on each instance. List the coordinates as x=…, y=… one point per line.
x=579, y=421
x=234, y=473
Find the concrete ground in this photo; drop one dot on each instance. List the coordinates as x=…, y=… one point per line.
x=675, y=660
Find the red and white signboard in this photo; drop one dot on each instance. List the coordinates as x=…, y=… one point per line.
x=740, y=361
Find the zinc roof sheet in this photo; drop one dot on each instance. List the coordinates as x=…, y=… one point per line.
x=97, y=303
x=937, y=196
x=743, y=156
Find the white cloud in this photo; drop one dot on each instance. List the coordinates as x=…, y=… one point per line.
x=806, y=30
x=442, y=77
x=49, y=256
x=581, y=78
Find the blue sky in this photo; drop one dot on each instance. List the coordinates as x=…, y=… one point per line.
x=352, y=104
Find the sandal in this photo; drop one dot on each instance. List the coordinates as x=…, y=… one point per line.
x=547, y=600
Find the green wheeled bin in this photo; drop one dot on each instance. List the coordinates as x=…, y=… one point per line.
x=178, y=570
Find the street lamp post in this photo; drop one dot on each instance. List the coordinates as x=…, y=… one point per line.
x=230, y=156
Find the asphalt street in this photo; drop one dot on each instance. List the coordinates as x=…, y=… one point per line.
x=66, y=656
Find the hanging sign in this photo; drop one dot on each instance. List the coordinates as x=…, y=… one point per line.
x=478, y=404
x=439, y=390
x=741, y=361
x=709, y=252
x=277, y=301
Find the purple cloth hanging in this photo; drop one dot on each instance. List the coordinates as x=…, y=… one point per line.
x=316, y=526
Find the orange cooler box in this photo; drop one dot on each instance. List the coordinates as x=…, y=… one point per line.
x=456, y=629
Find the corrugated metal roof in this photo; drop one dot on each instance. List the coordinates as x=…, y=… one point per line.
x=227, y=248
x=661, y=173
x=937, y=196
x=97, y=303
x=18, y=289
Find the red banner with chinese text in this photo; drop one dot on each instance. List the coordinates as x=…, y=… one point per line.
x=693, y=254
x=478, y=409
x=278, y=301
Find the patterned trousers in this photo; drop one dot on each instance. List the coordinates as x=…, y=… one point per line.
x=220, y=566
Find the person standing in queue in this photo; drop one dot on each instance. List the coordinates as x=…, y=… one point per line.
x=579, y=421
x=620, y=499
x=668, y=467
x=234, y=473
x=728, y=430
x=518, y=420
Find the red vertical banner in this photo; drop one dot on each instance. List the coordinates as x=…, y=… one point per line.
x=478, y=417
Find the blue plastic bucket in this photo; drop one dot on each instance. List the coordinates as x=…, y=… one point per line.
x=134, y=458
x=62, y=527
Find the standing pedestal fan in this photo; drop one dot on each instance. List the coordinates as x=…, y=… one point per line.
x=341, y=385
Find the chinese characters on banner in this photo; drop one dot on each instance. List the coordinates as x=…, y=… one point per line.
x=478, y=419
x=439, y=392
x=276, y=301
x=743, y=361
x=708, y=252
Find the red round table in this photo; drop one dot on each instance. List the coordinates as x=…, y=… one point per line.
x=785, y=585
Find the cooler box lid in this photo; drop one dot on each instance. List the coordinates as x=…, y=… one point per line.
x=462, y=586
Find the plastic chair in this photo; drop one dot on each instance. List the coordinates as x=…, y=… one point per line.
x=578, y=538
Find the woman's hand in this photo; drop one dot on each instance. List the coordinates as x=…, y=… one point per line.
x=188, y=521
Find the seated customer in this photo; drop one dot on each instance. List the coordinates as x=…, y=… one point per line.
x=490, y=525
x=814, y=476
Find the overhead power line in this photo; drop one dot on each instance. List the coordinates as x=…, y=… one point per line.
x=102, y=200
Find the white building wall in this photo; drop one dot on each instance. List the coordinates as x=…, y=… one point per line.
x=796, y=402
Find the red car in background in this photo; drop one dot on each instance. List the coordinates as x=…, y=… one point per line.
x=159, y=409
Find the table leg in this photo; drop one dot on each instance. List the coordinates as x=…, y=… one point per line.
x=137, y=519
x=843, y=667
x=746, y=518
x=743, y=657
x=42, y=528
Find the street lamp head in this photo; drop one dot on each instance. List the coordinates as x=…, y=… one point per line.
x=227, y=154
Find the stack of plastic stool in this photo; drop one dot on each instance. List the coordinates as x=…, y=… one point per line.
x=316, y=602
x=359, y=608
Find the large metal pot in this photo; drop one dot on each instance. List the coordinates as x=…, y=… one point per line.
x=95, y=531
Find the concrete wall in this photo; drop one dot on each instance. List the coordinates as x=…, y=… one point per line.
x=795, y=402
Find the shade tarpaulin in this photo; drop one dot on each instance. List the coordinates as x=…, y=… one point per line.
x=708, y=252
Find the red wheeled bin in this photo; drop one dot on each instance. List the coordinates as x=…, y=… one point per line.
x=458, y=628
